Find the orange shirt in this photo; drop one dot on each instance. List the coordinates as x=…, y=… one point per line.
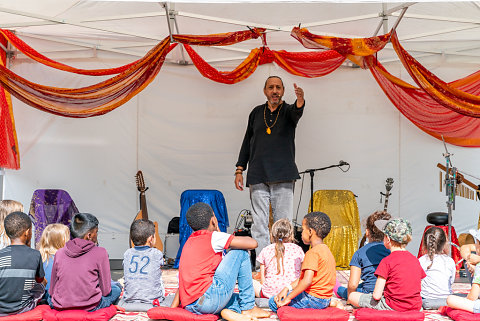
x=320, y=260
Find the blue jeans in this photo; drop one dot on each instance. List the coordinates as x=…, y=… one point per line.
x=343, y=291
x=105, y=301
x=280, y=195
x=302, y=301
x=234, y=267
x=110, y=299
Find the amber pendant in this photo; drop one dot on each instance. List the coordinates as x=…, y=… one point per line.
x=269, y=131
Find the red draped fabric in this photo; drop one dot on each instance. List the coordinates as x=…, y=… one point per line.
x=436, y=107
x=305, y=64
x=428, y=114
x=9, y=156
x=241, y=72
x=352, y=48
x=445, y=94
x=308, y=64
x=220, y=39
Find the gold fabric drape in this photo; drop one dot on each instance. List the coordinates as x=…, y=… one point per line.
x=341, y=207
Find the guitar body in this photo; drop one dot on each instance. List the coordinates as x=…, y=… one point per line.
x=158, y=241
x=143, y=213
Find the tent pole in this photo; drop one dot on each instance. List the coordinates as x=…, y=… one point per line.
x=395, y=25
x=172, y=23
x=165, y=6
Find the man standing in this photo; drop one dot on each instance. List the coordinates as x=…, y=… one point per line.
x=269, y=149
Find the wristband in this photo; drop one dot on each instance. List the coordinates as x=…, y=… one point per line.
x=289, y=287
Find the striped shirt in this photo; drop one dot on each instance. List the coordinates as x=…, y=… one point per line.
x=19, y=266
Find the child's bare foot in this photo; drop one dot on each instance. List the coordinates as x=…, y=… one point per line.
x=234, y=316
x=337, y=304
x=257, y=312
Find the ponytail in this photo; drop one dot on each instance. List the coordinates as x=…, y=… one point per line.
x=282, y=232
x=431, y=242
x=434, y=241
x=279, y=254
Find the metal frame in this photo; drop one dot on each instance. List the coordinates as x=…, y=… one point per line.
x=171, y=15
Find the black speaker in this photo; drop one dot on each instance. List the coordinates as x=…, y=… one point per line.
x=298, y=238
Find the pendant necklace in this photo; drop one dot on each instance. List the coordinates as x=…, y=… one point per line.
x=269, y=128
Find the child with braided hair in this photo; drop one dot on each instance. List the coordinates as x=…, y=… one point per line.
x=439, y=268
x=280, y=262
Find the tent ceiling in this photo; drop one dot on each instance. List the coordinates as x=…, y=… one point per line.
x=69, y=28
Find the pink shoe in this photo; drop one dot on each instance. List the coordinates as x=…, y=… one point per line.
x=335, y=288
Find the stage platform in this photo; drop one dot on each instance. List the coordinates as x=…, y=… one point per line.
x=170, y=280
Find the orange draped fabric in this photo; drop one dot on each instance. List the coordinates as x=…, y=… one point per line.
x=243, y=71
x=220, y=39
x=445, y=94
x=9, y=156
x=305, y=64
x=428, y=114
x=92, y=100
x=35, y=55
x=308, y=64
x=352, y=48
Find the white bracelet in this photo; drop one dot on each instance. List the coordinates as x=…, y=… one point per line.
x=289, y=287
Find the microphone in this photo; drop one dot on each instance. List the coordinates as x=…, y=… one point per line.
x=341, y=163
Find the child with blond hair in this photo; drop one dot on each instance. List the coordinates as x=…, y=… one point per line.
x=7, y=207
x=54, y=237
x=280, y=262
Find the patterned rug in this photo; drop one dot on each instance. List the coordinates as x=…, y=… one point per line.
x=170, y=280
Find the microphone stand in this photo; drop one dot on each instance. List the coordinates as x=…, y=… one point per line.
x=312, y=173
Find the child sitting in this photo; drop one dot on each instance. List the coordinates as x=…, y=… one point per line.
x=142, y=269
x=399, y=275
x=81, y=270
x=280, y=262
x=366, y=259
x=439, y=268
x=314, y=288
x=207, y=278
x=54, y=237
x=21, y=270
x=7, y=207
x=472, y=302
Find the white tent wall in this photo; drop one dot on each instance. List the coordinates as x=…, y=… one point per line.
x=184, y=132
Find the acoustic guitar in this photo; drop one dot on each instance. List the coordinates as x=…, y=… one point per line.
x=143, y=213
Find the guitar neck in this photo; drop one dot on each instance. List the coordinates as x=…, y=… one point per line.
x=143, y=205
x=386, y=202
